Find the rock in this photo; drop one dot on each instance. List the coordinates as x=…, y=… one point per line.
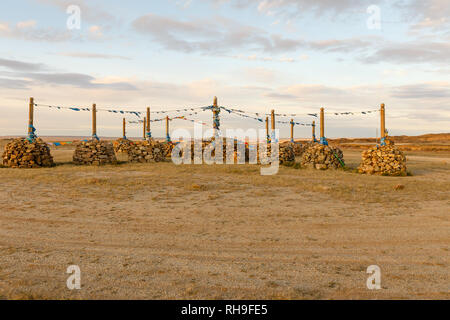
x=21, y=153
x=383, y=160
x=94, y=152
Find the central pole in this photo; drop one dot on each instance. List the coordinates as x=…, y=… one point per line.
x=216, y=119
x=323, y=140
x=148, y=133
x=292, y=130
x=167, y=129
x=383, y=124
x=31, y=119
x=144, y=135
x=314, y=131
x=124, y=129
x=94, y=122
x=272, y=116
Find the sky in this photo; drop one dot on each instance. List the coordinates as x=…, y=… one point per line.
x=293, y=56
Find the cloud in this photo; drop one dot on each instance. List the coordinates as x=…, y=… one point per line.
x=21, y=66
x=426, y=14
x=26, y=24
x=294, y=8
x=28, y=31
x=25, y=74
x=411, y=52
x=86, y=55
x=6, y=83
x=212, y=36
x=422, y=91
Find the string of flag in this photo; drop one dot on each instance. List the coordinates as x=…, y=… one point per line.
x=244, y=115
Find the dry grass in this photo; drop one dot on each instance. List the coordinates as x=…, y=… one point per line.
x=154, y=231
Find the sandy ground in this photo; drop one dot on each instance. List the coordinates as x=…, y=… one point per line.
x=160, y=231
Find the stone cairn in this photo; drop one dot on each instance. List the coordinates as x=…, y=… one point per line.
x=123, y=145
x=21, y=153
x=147, y=152
x=383, y=160
x=94, y=152
x=322, y=157
x=167, y=148
x=298, y=148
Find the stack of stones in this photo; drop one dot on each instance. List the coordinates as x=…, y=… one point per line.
x=322, y=157
x=167, y=148
x=383, y=160
x=94, y=152
x=298, y=148
x=123, y=145
x=286, y=154
x=146, y=152
x=21, y=153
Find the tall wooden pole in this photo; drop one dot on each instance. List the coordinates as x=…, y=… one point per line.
x=272, y=116
x=31, y=118
x=167, y=129
x=144, y=135
x=322, y=123
x=314, y=131
x=383, y=124
x=267, y=129
x=148, y=133
x=216, y=111
x=94, y=121
x=124, y=129
x=292, y=130
x=323, y=140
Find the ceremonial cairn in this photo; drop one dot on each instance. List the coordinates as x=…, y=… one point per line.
x=322, y=157
x=94, y=152
x=123, y=145
x=146, y=152
x=383, y=160
x=21, y=153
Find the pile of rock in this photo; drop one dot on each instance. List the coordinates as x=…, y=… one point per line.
x=383, y=160
x=146, y=152
x=298, y=148
x=94, y=152
x=21, y=153
x=322, y=157
x=286, y=154
x=122, y=145
x=167, y=148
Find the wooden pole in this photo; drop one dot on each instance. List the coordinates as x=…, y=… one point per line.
x=167, y=128
x=383, y=121
x=272, y=115
x=314, y=131
x=124, y=129
x=31, y=117
x=215, y=116
x=322, y=123
x=148, y=133
x=94, y=121
x=145, y=128
x=292, y=130
x=267, y=128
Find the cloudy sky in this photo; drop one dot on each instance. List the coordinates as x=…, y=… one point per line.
x=293, y=56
